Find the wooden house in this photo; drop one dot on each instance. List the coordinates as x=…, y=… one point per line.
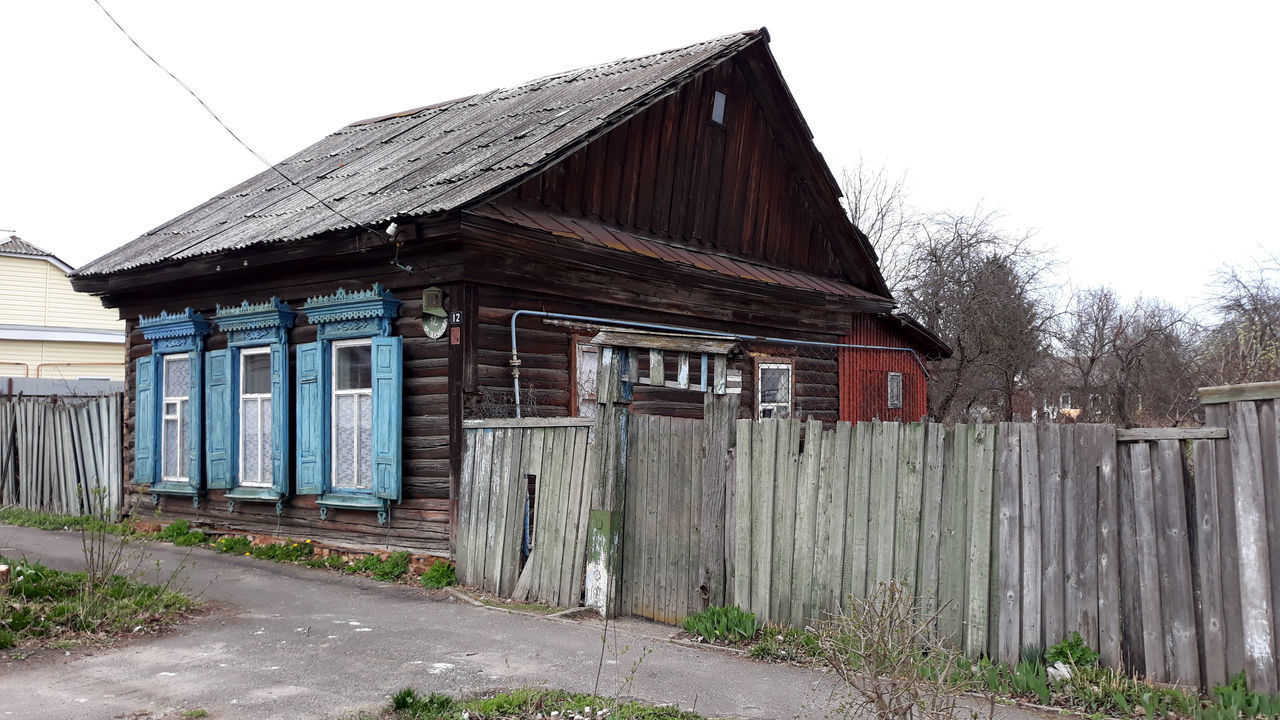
x=303, y=351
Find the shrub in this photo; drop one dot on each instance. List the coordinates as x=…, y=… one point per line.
x=730, y=624
x=1074, y=652
x=440, y=574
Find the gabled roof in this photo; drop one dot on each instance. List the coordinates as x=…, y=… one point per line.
x=436, y=158
x=16, y=246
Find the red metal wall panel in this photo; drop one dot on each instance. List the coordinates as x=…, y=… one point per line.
x=864, y=375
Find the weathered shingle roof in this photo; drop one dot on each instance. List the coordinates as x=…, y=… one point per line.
x=15, y=245
x=433, y=159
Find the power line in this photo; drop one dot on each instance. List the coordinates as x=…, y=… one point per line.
x=231, y=132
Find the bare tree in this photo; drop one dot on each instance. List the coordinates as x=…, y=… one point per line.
x=1244, y=345
x=877, y=204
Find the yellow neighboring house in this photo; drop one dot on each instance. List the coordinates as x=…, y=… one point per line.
x=48, y=330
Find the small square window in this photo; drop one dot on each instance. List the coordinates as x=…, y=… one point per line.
x=257, y=373
x=773, y=390
x=717, y=108
x=353, y=368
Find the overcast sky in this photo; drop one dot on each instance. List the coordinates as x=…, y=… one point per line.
x=1142, y=140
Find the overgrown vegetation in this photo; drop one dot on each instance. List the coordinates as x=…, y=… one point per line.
x=527, y=704
x=792, y=645
x=440, y=574
x=179, y=532
x=44, y=605
x=50, y=521
x=390, y=569
x=719, y=624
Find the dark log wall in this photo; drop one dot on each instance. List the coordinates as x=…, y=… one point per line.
x=672, y=172
x=421, y=522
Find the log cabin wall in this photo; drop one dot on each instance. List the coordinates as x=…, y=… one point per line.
x=421, y=522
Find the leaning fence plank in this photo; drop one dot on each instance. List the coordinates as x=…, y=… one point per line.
x=576, y=454
x=981, y=478
x=1009, y=542
x=1251, y=533
x=1174, y=552
x=1208, y=561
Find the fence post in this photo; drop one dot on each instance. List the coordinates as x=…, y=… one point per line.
x=718, y=416
x=604, y=530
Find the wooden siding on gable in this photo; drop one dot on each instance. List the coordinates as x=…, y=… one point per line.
x=865, y=374
x=673, y=172
x=35, y=292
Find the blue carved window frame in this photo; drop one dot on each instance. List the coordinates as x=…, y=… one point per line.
x=249, y=327
x=365, y=314
x=180, y=333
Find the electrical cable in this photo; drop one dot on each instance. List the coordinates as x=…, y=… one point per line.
x=236, y=137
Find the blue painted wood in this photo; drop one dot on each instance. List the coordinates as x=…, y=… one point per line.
x=195, y=421
x=146, y=411
x=312, y=419
x=280, y=418
x=387, y=404
x=220, y=399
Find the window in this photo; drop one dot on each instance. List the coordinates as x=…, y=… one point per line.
x=717, y=108
x=168, y=409
x=176, y=426
x=255, y=417
x=247, y=391
x=895, y=390
x=348, y=412
x=352, y=431
x=773, y=389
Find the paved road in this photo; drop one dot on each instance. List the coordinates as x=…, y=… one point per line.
x=284, y=641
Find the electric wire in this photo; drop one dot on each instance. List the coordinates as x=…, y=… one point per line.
x=231, y=132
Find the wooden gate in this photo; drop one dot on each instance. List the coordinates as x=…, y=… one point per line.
x=662, y=518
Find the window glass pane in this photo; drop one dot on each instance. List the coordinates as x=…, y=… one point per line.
x=344, y=435
x=265, y=440
x=169, y=465
x=364, y=458
x=256, y=371
x=775, y=384
x=176, y=376
x=352, y=367
x=249, y=435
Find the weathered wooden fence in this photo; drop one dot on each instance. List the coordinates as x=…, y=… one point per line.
x=61, y=457
x=501, y=460
x=859, y=505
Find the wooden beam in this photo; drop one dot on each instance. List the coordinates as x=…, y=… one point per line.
x=1239, y=393
x=1173, y=433
x=529, y=422
x=682, y=343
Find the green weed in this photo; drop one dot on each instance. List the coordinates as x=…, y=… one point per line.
x=391, y=569
x=440, y=574
x=527, y=703
x=1072, y=651
x=722, y=624
x=50, y=521
x=233, y=545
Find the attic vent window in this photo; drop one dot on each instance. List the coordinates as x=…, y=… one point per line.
x=717, y=108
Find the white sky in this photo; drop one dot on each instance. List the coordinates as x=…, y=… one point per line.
x=1142, y=140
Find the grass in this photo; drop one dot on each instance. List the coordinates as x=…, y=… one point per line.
x=780, y=644
x=179, y=532
x=50, y=521
x=527, y=704
x=722, y=624
x=440, y=574
x=45, y=606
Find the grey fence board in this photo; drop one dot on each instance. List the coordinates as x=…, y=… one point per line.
x=1208, y=561
x=1254, y=560
x=62, y=457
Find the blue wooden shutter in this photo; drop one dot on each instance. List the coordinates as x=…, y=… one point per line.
x=312, y=419
x=195, y=420
x=279, y=418
x=220, y=399
x=144, y=420
x=387, y=394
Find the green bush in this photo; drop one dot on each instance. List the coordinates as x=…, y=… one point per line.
x=440, y=574
x=1074, y=652
x=179, y=532
x=730, y=624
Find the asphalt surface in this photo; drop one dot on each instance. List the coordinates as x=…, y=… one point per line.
x=285, y=641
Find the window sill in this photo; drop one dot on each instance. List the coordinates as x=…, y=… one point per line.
x=260, y=494
x=346, y=501
x=170, y=487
